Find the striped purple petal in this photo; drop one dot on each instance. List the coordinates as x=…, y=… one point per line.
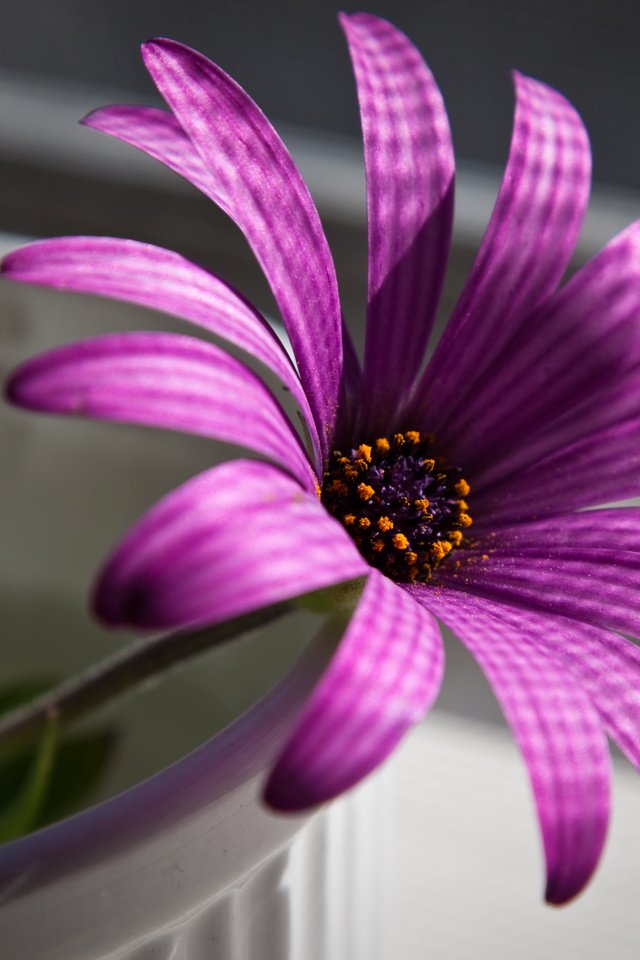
x=239, y=537
x=606, y=666
x=578, y=349
x=578, y=475
x=558, y=731
x=525, y=251
x=410, y=170
x=163, y=380
x=163, y=280
x=615, y=528
x=157, y=133
x=256, y=182
x=555, y=564
x=598, y=585
x=385, y=674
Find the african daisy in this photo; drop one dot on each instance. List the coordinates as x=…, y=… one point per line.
x=454, y=492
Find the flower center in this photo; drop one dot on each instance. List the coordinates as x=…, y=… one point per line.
x=403, y=506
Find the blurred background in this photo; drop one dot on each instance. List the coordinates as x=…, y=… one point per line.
x=69, y=490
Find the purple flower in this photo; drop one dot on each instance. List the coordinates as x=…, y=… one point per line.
x=527, y=413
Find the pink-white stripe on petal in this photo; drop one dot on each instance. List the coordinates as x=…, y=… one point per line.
x=383, y=677
x=525, y=251
x=239, y=537
x=163, y=280
x=163, y=380
x=254, y=179
x=410, y=172
x=557, y=728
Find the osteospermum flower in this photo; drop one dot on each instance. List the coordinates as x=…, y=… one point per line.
x=454, y=493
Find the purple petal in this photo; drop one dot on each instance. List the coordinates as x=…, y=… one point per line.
x=525, y=251
x=157, y=278
x=157, y=133
x=562, y=365
x=164, y=380
x=557, y=729
x=564, y=571
x=605, y=665
x=575, y=476
x=236, y=538
x=557, y=443
x=410, y=170
x=258, y=185
x=385, y=674
x=614, y=528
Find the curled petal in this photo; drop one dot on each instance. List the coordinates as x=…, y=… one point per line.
x=384, y=676
x=163, y=380
x=157, y=133
x=236, y=538
x=410, y=171
x=160, y=279
x=558, y=731
x=525, y=251
x=256, y=182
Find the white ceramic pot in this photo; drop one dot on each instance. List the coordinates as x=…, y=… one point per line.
x=189, y=864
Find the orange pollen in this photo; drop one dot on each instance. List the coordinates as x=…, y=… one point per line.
x=385, y=524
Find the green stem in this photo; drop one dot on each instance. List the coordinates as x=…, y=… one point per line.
x=126, y=669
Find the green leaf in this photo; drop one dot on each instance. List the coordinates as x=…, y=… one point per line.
x=23, y=809
x=81, y=764
x=43, y=782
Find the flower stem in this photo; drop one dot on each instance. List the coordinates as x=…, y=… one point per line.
x=124, y=670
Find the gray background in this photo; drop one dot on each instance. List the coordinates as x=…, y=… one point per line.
x=291, y=57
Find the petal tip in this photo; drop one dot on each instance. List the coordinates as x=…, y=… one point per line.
x=285, y=793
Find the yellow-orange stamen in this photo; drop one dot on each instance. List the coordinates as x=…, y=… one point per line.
x=384, y=524
x=365, y=492
x=399, y=541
